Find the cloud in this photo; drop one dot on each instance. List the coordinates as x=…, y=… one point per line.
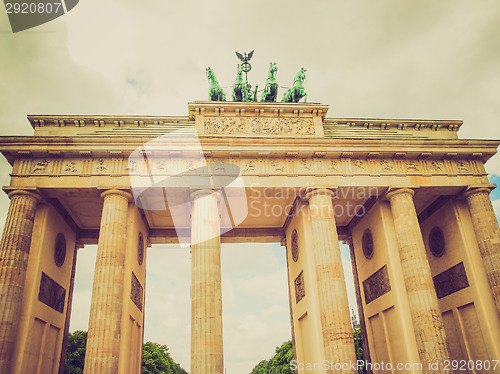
x=82, y=295
x=384, y=59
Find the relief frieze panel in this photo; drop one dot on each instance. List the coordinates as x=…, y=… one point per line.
x=249, y=166
x=132, y=167
x=376, y=285
x=277, y=166
x=437, y=166
x=305, y=166
x=262, y=165
x=136, y=292
x=71, y=167
x=40, y=166
x=333, y=166
x=450, y=281
x=259, y=126
x=387, y=166
x=463, y=167
x=51, y=293
x=101, y=165
x=300, y=289
x=412, y=166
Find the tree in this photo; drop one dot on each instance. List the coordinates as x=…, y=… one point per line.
x=156, y=358
x=279, y=363
x=358, y=346
x=262, y=367
x=75, y=354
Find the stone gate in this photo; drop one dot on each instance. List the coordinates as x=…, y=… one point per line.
x=409, y=197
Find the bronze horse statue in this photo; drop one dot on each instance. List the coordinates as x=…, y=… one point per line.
x=215, y=93
x=294, y=94
x=239, y=85
x=242, y=90
x=271, y=90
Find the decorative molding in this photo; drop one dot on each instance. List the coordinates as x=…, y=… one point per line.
x=291, y=164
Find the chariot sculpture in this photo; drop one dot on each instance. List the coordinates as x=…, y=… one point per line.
x=242, y=89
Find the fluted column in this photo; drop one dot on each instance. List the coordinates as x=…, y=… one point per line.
x=487, y=231
x=206, y=293
x=103, y=341
x=332, y=294
x=14, y=251
x=424, y=308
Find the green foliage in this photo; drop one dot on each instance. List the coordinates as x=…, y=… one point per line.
x=75, y=354
x=156, y=358
x=358, y=346
x=279, y=363
x=358, y=343
x=261, y=368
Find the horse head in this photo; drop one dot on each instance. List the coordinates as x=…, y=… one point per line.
x=301, y=75
x=210, y=74
x=273, y=68
x=239, y=72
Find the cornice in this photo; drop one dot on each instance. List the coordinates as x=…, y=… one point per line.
x=104, y=146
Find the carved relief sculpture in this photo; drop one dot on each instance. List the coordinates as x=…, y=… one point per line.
x=40, y=166
x=256, y=125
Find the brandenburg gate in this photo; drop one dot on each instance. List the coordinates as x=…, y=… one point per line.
x=409, y=197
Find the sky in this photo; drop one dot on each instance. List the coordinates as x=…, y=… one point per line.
x=365, y=59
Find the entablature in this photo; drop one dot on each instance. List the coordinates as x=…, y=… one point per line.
x=245, y=119
x=284, y=148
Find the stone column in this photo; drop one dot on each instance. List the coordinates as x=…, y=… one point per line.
x=103, y=341
x=332, y=294
x=14, y=252
x=424, y=308
x=487, y=231
x=206, y=293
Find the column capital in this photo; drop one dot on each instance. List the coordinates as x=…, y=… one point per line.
x=33, y=194
x=310, y=192
x=283, y=241
x=125, y=194
x=476, y=189
x=347, y=240
x=204, y=192
x=393, y=191
x=79, y=244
